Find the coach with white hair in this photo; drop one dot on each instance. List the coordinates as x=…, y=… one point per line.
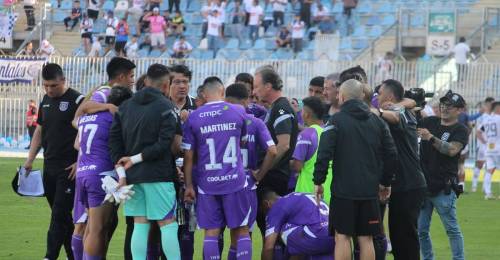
x=363, y=153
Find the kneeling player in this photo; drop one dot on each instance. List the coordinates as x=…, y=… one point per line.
x=301, y=223
x=94, y=162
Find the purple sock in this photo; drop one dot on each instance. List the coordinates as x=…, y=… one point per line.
x=244, y=248
x=278, y=253
x=88, y=257
x=77, y=247
x=153, y=251
x=231, y=255
x=211, y=248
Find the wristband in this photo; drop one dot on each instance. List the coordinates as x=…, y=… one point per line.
x=121, y=172
x=136, y=158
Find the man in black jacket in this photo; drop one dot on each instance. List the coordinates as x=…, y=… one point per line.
x=408, y=187
x=363, y=153
x=140, y=141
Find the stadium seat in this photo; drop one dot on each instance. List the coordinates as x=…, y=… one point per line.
x=386, y=7
x=259, y=44
x=66, y=5
x=155, y=53
x=207, y=55
x=359, y=31
x=361, y=44
x=194, y=41
x=373, y=20
x=305, y=55
x=375, y=32
x=232, y=44
x=195, y=6
x=245, y=45
x=108, y=5
x=364, y=8
x=143, y=52
x=310, y=45
x=59, y=15
x=345, y=43
x=388, y=20
x=338, y=8
x=228, y=54
x=270, y=44
x=256, y=54
x=282, y=54
x=164, y=6
x=271, y=32
x=197, y=19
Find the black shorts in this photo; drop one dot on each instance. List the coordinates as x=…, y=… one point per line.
x=92, y=14
x=109, y=40
x=119, y=46
x=87, y=35
x=355, y=217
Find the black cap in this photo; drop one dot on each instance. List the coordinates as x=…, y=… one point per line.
x=454, y=99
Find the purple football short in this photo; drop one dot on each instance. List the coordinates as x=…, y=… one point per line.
x=217, y=211
x=91, y=193
x=308, y=240
x=79, y=209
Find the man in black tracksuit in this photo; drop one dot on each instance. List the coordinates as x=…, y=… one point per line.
x=363, y=153
x=140, y=140
x=409, y=186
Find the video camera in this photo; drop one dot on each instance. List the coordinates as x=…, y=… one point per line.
x=417, y=94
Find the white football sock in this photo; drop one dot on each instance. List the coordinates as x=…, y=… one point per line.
x=475, y=177
x=487, y=183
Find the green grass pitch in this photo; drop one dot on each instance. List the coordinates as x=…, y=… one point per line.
x=24, y=222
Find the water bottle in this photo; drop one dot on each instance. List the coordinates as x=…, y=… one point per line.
x=193, y=223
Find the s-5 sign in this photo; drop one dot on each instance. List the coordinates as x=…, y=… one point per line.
x=439, y=45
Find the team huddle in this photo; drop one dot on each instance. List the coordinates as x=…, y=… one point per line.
x=243, y=157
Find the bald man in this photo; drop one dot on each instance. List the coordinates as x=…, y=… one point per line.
x=363, y=151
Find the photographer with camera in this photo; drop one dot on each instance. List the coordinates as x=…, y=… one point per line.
x=408, y=187
x=442, y=140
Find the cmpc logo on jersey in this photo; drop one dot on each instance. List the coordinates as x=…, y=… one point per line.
x=63, y=106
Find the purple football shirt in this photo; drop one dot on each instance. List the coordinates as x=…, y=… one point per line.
x=93, y=133
x=307, y=143
x=214, y=132
x=297, y=209
x=256, y=110
x=258, y=139
x=101, y=94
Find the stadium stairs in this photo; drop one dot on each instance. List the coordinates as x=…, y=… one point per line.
x=65, y=42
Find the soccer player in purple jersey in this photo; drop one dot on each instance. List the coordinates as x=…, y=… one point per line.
x=213, y=134
x=300, y=222
x=120, y=73
x=93, y=162
x=253, y=107
x=259, y=140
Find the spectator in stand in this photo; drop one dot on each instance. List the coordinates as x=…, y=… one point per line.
x=221, y=8
x=74, y=17
x=205, y=9
x=146, y=43
x=322, y=17
x=178, y=23
x=157, y=28
x=182, y=48
x=283, y=40
x=154, y=4
x=122, y=32
x=171, y=4
x=347, y=22
x=384, y=67
x=136, y=10
x=298, y=30
x=28, y=50
x=29, y=9
x=95, y=50
x=111, y=24
x=237, y=19
x=31, y=117
x=461, y=51
x=93, y=7
x=214, y=32
x=143, y=25
x=279, y=7
x=305, y=12
x=46, y=49
x=86, y=26
x=132, y=47
x=168, y=21
x=255, y=17
x=348, y=6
